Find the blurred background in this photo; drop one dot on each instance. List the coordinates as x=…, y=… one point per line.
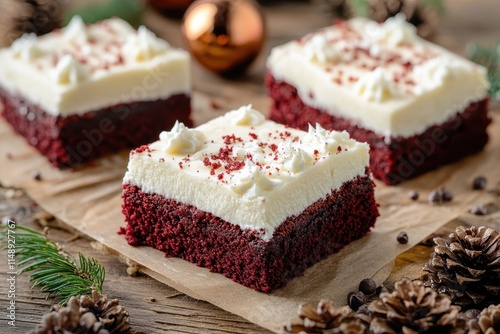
x=232, y=38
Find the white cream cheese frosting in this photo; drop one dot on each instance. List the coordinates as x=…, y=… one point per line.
x=253, y=174
x=84, y=68
x=382, y=76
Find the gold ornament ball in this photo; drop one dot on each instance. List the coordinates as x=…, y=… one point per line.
x=225, y=36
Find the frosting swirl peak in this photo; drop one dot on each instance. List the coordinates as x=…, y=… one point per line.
x=181, y=139
x=245, y=116
x=144, y=45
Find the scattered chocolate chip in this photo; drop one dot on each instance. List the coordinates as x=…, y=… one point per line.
x=356, y=299
x=413, y=195
x=472, y=313
x=440, y=195
x=368, y=286
x=479, y=210
x=152, y=299
x=435, y=197
x=402, y=238
x=37, y=176
x=381, y=289
x=446, y=195
x=479, y=183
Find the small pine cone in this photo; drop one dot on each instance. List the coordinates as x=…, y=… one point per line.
x=341, y=8
x=328, y=319
x=488, y=321
x=114, y=316
x=381, y=10
x=68, y=319
x=424, y=17
x=467, y=267
x=34, y=16
x=412, y=308
x=86, y=315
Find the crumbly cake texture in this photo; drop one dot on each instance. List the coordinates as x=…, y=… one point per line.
x=418, y=105
x=249, y=198
x=81, y=92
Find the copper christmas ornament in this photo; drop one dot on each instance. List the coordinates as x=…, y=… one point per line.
x=225, y=36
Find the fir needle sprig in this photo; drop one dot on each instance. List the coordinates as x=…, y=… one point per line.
x=53, y=269
x=490, y=58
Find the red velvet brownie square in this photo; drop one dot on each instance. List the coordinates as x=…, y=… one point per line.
x=81, y=92
x=418, y=105
x=249, y=198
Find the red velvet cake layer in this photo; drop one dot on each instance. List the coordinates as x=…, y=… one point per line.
x=81, y=138
x=401, y=158
x=183, y=231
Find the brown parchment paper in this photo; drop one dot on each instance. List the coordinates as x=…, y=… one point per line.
x=89, y=200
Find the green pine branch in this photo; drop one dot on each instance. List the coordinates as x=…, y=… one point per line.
x=437, y=4
x=54, y=270
x=360, y=7
x=490, y=58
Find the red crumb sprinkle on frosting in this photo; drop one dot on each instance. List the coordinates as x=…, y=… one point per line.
x=96, y=47
x=245, y=154
x=266, y=153
x=348, y=50
x=143, y=148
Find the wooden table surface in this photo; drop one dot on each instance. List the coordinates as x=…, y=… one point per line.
x=155, y=307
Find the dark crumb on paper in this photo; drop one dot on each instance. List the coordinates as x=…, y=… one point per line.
x=413, y=195
x=402, y=238
x=152, y=299
x=9, y=156
x=214, y=104
x=479, y=210
x=447, y=196
x=37, y=176
x=435, y=197
x=479, y=183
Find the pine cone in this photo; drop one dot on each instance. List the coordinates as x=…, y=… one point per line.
x=328, y=319
x=29, y=16
x=412, y=308
x=341, y=8
x=488, y=321
x=114, y=316
x=424, y=17
x=86, y=315
x=467, y=267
